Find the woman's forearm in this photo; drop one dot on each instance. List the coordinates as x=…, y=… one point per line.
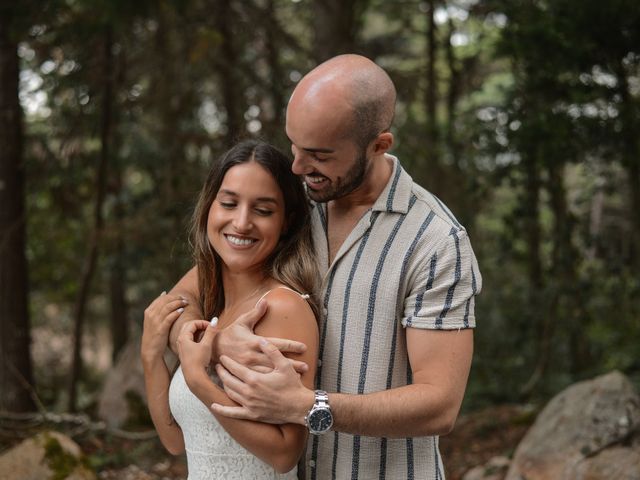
x=278, y=445
x=157, y=380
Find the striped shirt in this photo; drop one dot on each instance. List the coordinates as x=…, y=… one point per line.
x=407, y=263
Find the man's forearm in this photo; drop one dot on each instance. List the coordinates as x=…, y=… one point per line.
x=408, y=411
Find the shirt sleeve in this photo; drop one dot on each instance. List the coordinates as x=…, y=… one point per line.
x=446, y=282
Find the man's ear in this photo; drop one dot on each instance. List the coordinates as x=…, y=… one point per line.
x=382, y=143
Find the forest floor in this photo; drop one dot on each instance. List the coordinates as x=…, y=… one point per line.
x=477, y=437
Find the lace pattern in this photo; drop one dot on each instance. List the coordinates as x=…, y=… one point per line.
x=211, y=452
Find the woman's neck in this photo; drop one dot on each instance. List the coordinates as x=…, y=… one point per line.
x=240, y=288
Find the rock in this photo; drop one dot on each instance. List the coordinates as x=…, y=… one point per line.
x=47, y=455
x=494, y=469
x=580, y=431
x=619, y=463
x=123, y=395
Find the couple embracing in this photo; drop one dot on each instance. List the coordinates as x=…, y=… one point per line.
x=343, y=307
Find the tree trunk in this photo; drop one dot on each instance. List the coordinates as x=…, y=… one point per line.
x=16, y=378
x=631, y=159
x=98, y=220
x=434, y=180
x=117, y=278
x=534, y=262
x=275, y=129
x=228, y=67
x=335, y=27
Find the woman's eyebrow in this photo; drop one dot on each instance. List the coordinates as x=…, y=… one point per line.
x=259, y=199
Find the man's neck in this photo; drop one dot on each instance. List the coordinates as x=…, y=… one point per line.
x=363, y=197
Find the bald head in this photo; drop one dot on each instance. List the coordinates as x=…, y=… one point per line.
x=357, y=87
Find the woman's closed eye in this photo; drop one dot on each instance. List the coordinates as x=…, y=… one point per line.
x=228, y=205
x=264, y=212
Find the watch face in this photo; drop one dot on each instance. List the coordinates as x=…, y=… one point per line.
x=321, y=420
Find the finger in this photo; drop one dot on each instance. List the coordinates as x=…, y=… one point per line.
x=172, y=317
x=299, y=366
x=286, y=345
x=254, y=315
x=209, y=335
x=279, y=361
x=236, y=369
x=233, y=387
x=190, y=328
x=232, y=412
x=173, y=305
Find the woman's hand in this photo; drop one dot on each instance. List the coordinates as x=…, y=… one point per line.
x=158, y=318
x=195, y=356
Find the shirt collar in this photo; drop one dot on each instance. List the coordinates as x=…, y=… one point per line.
x=397, y=193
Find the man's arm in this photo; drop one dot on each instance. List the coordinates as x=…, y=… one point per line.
x=440, y=361
x=237, y=340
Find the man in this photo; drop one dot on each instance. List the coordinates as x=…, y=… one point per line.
x=398, y=284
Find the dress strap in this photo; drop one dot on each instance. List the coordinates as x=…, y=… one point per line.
x=302, y=295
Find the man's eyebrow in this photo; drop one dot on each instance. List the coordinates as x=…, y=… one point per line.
x=318, y=150
x=315, y=149
x=259, y=199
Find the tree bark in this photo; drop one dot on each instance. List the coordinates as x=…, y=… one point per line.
x=335, y=24
x=98, y=220
x=531, y=213
x=16, y=377
x=228, y=67
x=631, y=159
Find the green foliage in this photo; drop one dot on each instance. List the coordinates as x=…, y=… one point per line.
x=537, y=108
x=61, y=462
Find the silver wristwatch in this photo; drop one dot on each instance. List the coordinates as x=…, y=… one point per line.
x=319, y=419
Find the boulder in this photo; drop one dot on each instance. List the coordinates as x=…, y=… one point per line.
x=586, y=430
x=494, y=469
x=47, y=455
x=123, y=396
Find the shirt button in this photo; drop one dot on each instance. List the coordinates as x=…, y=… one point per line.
x=319, y=362
x=312, y=463
x=325, y=312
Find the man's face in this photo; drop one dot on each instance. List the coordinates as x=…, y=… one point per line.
x=324, y=154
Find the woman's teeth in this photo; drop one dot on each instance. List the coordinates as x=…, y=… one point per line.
x=240, y=241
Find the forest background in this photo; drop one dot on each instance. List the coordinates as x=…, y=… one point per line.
x=522, y=116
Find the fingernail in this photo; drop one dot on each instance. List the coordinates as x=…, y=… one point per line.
x=184, y=301
x=263, y=342
x=180, y=310
x=214, y=321
x=163, y=293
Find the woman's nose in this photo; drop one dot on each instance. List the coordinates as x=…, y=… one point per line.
x=242, y=220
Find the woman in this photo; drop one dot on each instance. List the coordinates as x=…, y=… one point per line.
x=252, y=240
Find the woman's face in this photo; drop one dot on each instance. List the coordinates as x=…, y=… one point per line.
x=246, y=218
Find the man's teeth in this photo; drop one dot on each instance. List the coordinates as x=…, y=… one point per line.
x=239, y=241
x=315, y=179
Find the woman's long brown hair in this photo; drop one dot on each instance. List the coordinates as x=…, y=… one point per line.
x=292, y=262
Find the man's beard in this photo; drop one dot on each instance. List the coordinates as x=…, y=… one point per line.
x=344, y=186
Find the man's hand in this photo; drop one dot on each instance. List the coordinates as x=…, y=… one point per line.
x=240, y=343
x=267, y=397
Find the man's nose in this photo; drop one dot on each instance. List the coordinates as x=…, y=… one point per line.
x=300, y=165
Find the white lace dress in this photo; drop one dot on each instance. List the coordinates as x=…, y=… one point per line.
x=211, y=452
